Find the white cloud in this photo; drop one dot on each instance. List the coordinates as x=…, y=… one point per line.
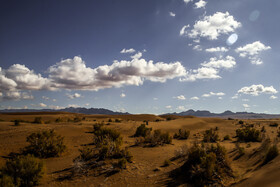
x=67, y=73
x=252, y=51
x=45, y=97
x=200, y=4
x=168, y=106
x=195, y=98
x=197, y=48
x=137, y=55
x=211, y=69
x=155, y=98
x=172, y=14
x=256, y=90
x=183, y=30
x=122, y=95
x=42, y=105
x=73, y=96
x=73, y=106
x=211, y=27
x=213, y=94
x=216, y=49
x=201, y=73
x=180, y=97
x=245, y=100
x=220, y=98
x=181, y=108
x=227, y=63
x=235, y=96
x=55, y=107
x=131, y=50
x=273, y=97
x=246, y=106
x=17, y=95
x=187, y=1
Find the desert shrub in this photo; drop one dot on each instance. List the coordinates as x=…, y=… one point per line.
x=206, y=166
x=182, y=134
x=58, y=120
x=118, y=120
x=110, y=120
x=248, y=134
x=23, y=170
x=210, y=136
x=121, y=164
x=158, y=138
x=227, y=137
x=87, y=153
x=273, y=124
x=104, y=135
x=45, y=144
x=240, y=150
x=271, y=154
x=181, y=152
x=240, y=122
x=38, y=120
x=142, y=130
x=17, y=122
x=166, y=163
x=216, y=128
x=230, y=119
x=124, y=153
x=77, y=119
x=263, y=129
x=6, y=181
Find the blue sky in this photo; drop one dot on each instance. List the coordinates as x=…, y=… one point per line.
x=141, y=56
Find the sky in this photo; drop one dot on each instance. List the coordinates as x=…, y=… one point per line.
x=140, y=56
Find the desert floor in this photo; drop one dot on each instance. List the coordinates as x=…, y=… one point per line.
x=146, y=168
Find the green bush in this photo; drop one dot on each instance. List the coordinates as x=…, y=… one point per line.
x=45, y=144
x=38, y=120
x=23, y=170
x=206, y=165
x=271, y=154
x=210, y=136
x=248, y=134
x=143, y=131
x=182, y=134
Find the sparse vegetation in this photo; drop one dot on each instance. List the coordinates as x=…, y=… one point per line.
x=227, y=137
x=158, y=138
x=17, y=122
x=248, y=134
x=240, y=122
x=143, y=131
x=210, y=136
x=273, y=124
x=271, y=154
x=166, y=163
x=38, y=120
x=22, y=171
x=205, y=165
x=182, y=134
x=240, y=150
x=45, y=144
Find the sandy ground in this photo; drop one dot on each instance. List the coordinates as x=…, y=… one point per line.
x=145, y=159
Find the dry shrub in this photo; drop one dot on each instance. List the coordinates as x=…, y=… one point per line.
x=210, y=136
x=182, y=134
x=248, y=134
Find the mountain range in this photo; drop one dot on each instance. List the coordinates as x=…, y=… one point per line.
x=198, y=113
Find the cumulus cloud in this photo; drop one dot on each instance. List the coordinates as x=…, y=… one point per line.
x=197, y=48
x=172, y=14
x=211, y=27
x=168, y=106
x=42, y=105
x=246, y=106
x=216, y=49
x=194, y=98
x=211, y=69
x=200, y=4
x=45, y=97
x=183, y=30
x=67, y=73
x=17, y=95
x=122, y=95
x=187, y=1
x=73, y=96
x=227, y=63
x=181, y=108
x=180, y=97
x=131, y=50
x=256, y=90
x=213, y=94
x=252, y=51
x=273, y=97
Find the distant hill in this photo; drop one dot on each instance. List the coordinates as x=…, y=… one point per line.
x=226, y=114
x=70, y=109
